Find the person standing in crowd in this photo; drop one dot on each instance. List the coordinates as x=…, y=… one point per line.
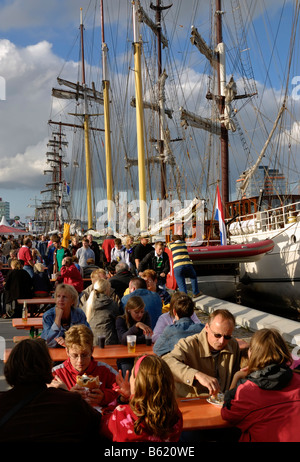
x=95, y=247
x=157, y=260
x=74, y=246
x=108, y=244
x=264, y=402
x=59, y=254
x=18, y=284
x=42, y=248
x=206, y=362
x=142, y=249
x=130, y=248
x=84, y=253
x=26, y=255
x=183, y=266
x=118, y=252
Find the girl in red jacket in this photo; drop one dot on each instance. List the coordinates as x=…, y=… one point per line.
x=265, y=405
x=152, y=413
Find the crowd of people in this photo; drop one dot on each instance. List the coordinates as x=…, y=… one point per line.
x=137, y=401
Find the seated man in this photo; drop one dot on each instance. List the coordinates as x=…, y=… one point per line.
x=183, y=326
x=206, y=362
x=153, y=303
x=79, y=346
x=120, y=281
x=91, y=266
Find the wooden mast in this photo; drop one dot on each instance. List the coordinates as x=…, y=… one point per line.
x=221, y=87
x=86, y=136
x=140, y=123
x=108, y=163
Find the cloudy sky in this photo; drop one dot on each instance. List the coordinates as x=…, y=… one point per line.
x=36, y=40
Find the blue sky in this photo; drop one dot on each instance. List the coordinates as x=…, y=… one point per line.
x=37, y=40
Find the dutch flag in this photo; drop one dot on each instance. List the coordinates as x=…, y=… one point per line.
x=220, y=217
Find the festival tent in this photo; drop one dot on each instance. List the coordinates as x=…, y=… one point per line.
x=5, y=228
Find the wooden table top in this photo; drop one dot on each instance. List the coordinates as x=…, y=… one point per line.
x=36, y=322
x=198, y=414
x=99, y=354
x=102, y=354
x=36, y=300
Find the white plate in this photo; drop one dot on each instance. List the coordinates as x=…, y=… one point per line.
x=214, y=402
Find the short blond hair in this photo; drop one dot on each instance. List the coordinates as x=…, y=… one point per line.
x=79, y=335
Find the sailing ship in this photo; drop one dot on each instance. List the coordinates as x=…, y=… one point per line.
x=173, y=148
x=55, y=207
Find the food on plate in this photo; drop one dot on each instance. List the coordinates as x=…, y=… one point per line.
x=217, y=399
x=88, y=381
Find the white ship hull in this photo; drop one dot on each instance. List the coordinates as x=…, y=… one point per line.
x=277, y=274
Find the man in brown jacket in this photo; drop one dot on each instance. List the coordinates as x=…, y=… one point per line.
x=206, y=362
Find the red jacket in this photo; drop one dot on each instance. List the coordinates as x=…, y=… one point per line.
x=71, y=275
x=265, y=414
x=68, y=374
x=119, y=427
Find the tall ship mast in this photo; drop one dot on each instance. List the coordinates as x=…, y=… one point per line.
x=55, y=206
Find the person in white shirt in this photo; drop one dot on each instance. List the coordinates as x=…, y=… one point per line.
x=84, y=253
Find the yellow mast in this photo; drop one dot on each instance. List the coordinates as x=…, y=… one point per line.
x=140, y=124
x=86, y=138
x=106, y=86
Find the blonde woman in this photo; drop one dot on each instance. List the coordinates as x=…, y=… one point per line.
x=102, y=311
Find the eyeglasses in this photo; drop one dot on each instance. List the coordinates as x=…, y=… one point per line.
x=80, y=356
x=226, y=337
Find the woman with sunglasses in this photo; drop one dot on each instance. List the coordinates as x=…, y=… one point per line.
x=206, y=362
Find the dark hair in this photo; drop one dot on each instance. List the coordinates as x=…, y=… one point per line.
x=29, y=363
x=184, y=306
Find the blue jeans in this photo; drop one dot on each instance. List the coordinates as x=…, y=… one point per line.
x=29, y=270
x=186, y=271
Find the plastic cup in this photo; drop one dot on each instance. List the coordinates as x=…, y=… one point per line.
x=148, y=338
x=101, y=341
x=131, y=343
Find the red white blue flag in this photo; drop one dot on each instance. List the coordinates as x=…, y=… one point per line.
x=220, y=217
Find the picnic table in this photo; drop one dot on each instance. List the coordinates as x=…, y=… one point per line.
x=109, y=353
x=199, y=414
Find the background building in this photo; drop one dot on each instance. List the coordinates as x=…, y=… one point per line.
x=4, y=209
